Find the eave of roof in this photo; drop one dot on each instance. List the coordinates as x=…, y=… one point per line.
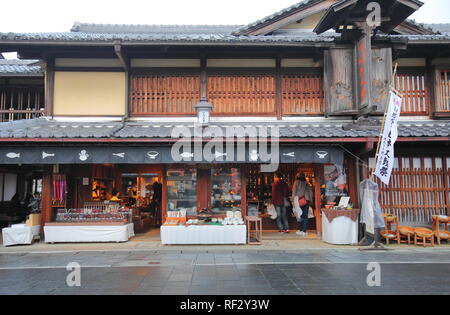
x=90, y=39
x=20, y=68
x=49, y=130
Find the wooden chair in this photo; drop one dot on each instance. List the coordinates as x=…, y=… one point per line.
x=422, y=236
x=444, y=234
x=388, y=233
x=406, y=232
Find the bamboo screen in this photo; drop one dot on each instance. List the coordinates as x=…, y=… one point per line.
x=302, y=94
x=418, y=190
x=444, y=91
x=415, y=93
x=21, y=103
x=164, y=95
x=233, y=95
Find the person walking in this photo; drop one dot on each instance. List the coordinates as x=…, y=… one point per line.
x=280, y=192
x=302, y=190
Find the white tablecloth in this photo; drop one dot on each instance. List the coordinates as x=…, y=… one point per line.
x=204, y=234
x=20, y=234
x=88, y=233
x=341, y=231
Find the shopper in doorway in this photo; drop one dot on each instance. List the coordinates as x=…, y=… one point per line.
x=280, y=193
x=303, y=191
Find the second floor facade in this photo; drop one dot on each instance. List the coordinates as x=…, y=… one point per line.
x=276, y=68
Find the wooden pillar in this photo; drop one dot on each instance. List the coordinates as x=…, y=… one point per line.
x=278, y=90
x=164, y=194
x=352, y=181
x=49, y=85
x=46, y=199
x=319, y=180
x=430, y=83
x=203, y=77
x=243, y=170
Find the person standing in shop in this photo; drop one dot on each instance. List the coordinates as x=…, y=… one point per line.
x=302, y=189
x=280, y=193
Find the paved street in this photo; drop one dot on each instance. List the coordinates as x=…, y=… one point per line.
x=227, y=272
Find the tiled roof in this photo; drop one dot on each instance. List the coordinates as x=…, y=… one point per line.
x=20, y=67
x=161, y=38
x=443, y=28
x=276, y=15
x=43, y=128
x=153, y=29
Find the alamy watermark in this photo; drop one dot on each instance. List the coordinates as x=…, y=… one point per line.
x=374, y=17
x=374, y=277
x=73, y=279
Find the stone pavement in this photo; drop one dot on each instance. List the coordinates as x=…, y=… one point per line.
x=227, y=272
x=140, y=243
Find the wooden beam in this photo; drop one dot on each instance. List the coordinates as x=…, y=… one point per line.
x=46, y=200
x=319, y=180
x=49, y=85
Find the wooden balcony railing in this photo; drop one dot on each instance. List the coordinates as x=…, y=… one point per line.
x=443, y=99
x=302, y=94
x=21, y=103
x=164, y=95
x=415, y=93
x=230, y=94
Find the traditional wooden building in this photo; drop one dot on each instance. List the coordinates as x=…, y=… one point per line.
x=109, y=98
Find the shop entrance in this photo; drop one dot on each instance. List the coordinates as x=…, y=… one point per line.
x=259, y=196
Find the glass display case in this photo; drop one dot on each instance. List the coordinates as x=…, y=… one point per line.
x=94, y=215
x=182, y=190
x=226, y=189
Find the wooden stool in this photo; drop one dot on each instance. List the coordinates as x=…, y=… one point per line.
x=436, y=226
x=407, y=232
x=425, y=235
x=256, y=234
x=438, y=220
x=442, y=234
x=388, y=233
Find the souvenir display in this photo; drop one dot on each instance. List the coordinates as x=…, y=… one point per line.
x=181, y=191
x=59, y=190
x=226, y=189
x=93, y=215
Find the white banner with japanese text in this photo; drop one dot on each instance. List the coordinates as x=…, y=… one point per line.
x=385, y=161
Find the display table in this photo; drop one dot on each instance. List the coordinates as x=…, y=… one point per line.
x=20, y=234
x=98, y=232
x=203, y=234
x=340, y=227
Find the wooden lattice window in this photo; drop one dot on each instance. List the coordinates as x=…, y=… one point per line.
x=242, y=94
x=415, y=93
x=164, y=94
x=443, y=82
x=21, y=102
x=302, y=94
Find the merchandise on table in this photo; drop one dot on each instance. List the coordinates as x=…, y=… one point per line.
x=93, y=215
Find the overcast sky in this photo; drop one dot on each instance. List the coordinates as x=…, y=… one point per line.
x=59, y=15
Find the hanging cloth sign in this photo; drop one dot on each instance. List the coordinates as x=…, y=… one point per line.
x=385, y=161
